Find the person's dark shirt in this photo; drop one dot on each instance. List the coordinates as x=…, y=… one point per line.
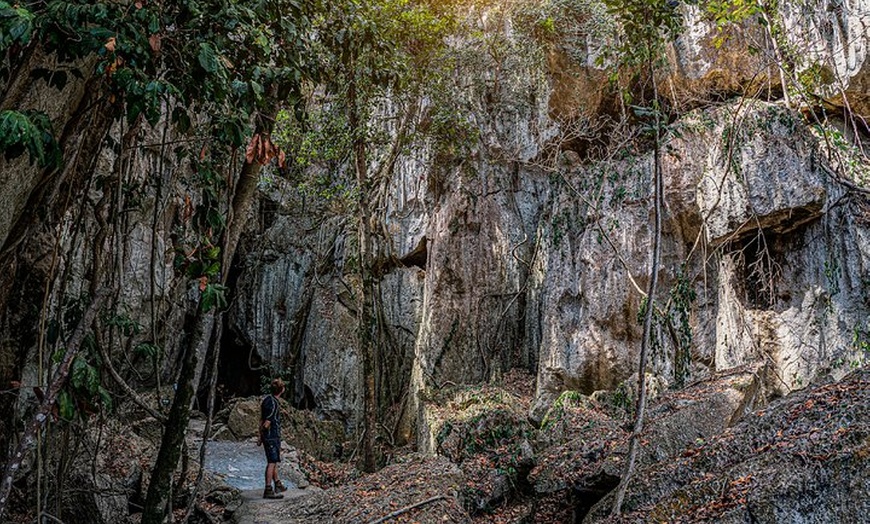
x=271, y=411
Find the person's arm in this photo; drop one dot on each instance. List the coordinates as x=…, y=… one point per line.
x=264, y=421
x=267, y=412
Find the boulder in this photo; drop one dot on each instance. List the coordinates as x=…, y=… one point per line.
x=584, y=449
x=484, y=431
x=244, y=418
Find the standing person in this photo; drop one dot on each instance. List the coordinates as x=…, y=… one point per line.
x=270, y=434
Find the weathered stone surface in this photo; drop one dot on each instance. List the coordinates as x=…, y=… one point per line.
x=244, y=418
x=778, y=293
x=826, y=43
x=20, y=177
x=583, y=446
x=802, y=459
x=764, y=175
x=484, y=431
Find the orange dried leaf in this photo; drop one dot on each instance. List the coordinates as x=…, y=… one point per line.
x=110, y=44
x=154, y=41
x=251, y=150
x=203, y=282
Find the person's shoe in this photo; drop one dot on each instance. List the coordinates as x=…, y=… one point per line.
x=269, y=493
x=280, y=487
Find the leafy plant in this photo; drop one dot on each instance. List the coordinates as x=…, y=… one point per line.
x=28, y=131
x=16, y=25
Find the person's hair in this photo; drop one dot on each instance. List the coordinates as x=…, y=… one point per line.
x=277, y=386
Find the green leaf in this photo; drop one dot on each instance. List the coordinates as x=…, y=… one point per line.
x=214, y=295
x=208, y=58
x=66, y=406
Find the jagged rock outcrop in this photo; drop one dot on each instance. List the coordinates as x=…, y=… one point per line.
x=752, y=179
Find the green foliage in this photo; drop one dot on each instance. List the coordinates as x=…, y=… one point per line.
x=557, y=410
x=213, y=296
x=645, y=27
x=16, y=25
x=84, y=394
x=846, y=157
x=271, y=373
x=861, y=346
x=568, y=24
x=28, y=131
x=725, y=13
x=125, y=324
x=148, y=351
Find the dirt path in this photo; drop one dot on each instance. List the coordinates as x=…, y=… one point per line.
x=241, y=465
x=257, y=510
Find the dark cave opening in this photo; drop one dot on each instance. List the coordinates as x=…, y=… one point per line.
x=240, y=368
x=589, y=492
x=418, y=256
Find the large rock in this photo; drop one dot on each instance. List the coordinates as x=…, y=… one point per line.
x=244, y=418
x=765, y=175
x=585, y=448
x=785, y=289
x=299, y=428
x=483, y=430
x=803, y=459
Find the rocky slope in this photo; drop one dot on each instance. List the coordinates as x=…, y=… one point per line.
x=708, y=454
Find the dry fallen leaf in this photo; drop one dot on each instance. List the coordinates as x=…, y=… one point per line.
x=154, y=40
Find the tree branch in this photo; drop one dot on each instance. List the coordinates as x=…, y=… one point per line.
x=407, y=509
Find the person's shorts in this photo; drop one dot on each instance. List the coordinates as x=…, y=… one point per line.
x=273, y=450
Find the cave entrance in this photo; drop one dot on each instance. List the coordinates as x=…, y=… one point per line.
x=589, y=492
x=759, y=265
x=240, y=370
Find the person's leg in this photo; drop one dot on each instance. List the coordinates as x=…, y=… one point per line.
x=272, y=459
x=270, y=472
x=279, y=486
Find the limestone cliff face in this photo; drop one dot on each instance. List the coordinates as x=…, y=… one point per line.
x=526, y=249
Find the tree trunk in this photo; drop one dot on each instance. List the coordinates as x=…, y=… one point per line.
x=366, y=327
x=157, y=501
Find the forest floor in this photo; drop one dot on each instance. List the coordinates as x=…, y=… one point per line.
x=492, y=466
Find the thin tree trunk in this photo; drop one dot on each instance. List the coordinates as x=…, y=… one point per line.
x=157, y=501
x=366, y=329
x=42, y=414
x=214, y=354
x=650, y=308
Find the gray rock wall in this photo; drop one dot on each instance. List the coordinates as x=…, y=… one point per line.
x=513, y=259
